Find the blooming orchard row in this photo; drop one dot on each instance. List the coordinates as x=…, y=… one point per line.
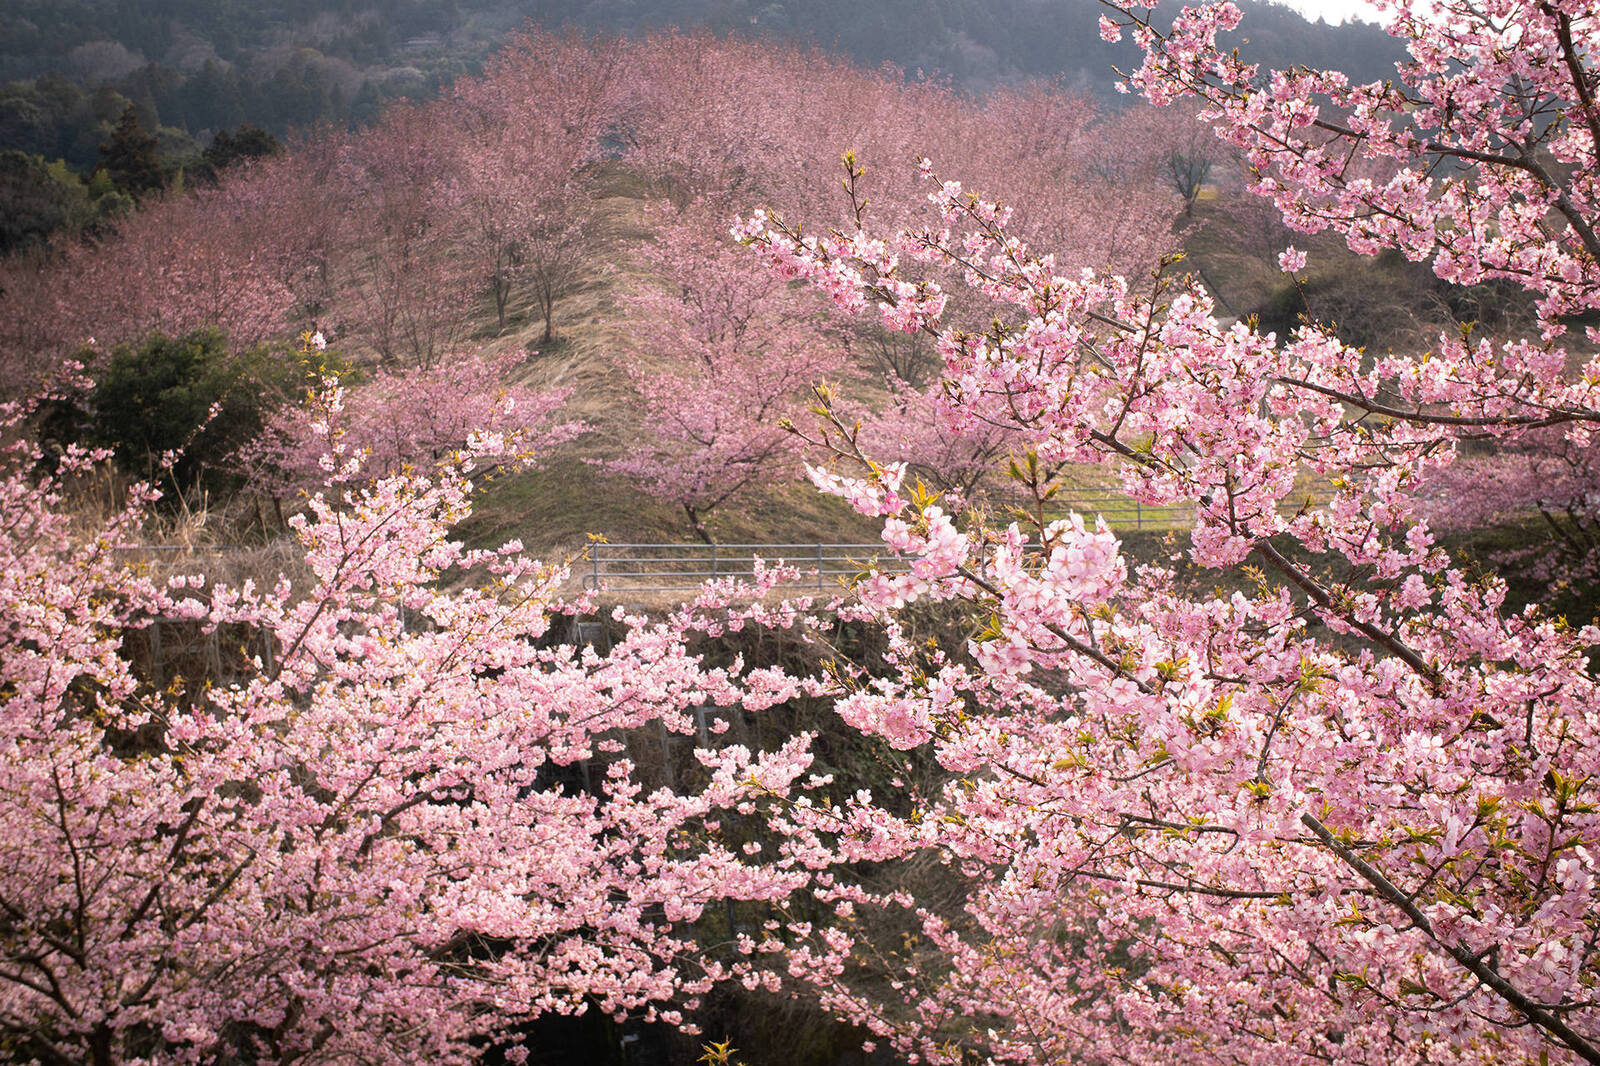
x=506, y=195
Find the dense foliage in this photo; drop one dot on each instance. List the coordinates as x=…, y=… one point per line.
x=185, y=403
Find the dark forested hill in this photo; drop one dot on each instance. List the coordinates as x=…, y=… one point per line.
x=211, y=63
x=74, y=72
x=981, y=41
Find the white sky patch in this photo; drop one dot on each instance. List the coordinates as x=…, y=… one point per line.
x=1334, y=12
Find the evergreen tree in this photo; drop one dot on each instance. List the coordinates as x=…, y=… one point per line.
x=131, y=158
x=229, y=148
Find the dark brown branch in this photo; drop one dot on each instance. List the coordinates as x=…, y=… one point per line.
x=178, y=842
x=1473, y=962
x=1554, y=418
x=1388, y=641
x=1170, y=886
x=1580, y=80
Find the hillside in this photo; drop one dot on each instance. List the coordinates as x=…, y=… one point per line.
x=563, y=218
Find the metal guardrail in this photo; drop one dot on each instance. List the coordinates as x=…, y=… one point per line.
x=683, y=566
x=669, y=567
x=677, y=567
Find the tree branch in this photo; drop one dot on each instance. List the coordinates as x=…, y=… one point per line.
x=1472, y=962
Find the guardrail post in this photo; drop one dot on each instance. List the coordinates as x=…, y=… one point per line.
x=819, y=567
x=1138, y=515
x=594, y=565
x=713, y=562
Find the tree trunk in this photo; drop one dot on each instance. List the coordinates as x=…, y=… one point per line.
x=502, y=296
x=100, y=1048
x=547, y=302
x=697, y=525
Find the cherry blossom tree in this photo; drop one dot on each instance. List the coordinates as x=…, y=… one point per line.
x=1173, y=147
x=403, y=289
x=709, y=117
x=1311, y=791
x=1041, y=150
x=246, y=256
x=189, y=262
x=302, y=194
x=727, y=353
x=527, y=135
x=408, y=418
x=912, y=429
x=1545, y=472
x=32, y=336
x=349, y=844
